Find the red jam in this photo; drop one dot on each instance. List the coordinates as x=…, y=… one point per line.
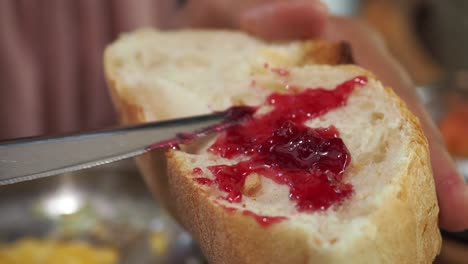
x=239, y=113
x=203, y=181
x=197, y=171
x=277, y=145
x=232, y=116
x=264, y=221
x=280, y=71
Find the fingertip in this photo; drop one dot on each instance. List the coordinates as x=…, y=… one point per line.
x=453, y=215
x=285, y=20
x=452, y=192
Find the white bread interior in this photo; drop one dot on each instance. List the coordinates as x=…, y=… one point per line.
x=390, y=218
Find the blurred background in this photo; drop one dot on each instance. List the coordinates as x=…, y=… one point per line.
x=429, y=38
x=109, y=207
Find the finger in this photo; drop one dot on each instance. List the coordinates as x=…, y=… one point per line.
x=285, y=20
x=370, y=52
x=451, y=189
x=212, y=13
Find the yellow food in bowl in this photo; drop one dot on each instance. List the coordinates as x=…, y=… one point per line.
x=36, y=251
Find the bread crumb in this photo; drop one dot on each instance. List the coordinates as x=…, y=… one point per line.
x=252, y=185
x=317, y=241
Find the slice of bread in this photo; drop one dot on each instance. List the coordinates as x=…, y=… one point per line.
x=391, y=214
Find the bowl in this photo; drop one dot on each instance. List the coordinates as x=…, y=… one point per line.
x=105, y=206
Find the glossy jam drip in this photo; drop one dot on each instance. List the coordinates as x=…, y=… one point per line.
x=264, y=221
x=231, y=179
x=277, y=145
x=289, y=107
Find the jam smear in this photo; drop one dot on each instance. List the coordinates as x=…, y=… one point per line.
x=239, y=113
x=230, y=179
x=232, y=116
x=203, y=181
x=280, y=71
x=197, y=171
x=311, y=161
x=294, y=108
x=264, y=221
x=278, y=145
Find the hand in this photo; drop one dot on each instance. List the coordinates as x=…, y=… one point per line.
x=310, y=19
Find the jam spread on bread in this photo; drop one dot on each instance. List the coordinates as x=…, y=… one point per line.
x=278, y=145
x=197, y=171
x=203, y=181
x=264, y=220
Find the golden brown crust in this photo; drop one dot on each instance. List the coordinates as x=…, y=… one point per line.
x=323, y=52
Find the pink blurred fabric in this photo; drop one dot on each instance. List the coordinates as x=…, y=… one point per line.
x=51, y=76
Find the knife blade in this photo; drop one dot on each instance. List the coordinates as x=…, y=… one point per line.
x=33, y=158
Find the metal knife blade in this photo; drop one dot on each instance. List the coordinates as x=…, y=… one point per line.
x=32, y=158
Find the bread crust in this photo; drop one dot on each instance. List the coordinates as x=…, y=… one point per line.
x=406, y=225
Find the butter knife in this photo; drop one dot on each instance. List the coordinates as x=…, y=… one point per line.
x=32, y=158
